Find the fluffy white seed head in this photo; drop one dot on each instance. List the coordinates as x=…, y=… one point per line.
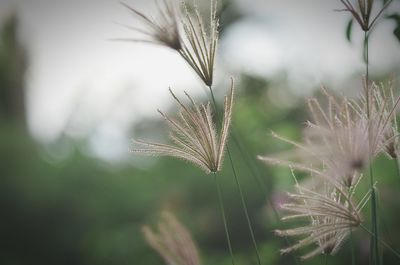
x=194, y=135
x=172, y=241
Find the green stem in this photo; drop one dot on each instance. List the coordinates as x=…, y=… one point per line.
x=395, y=252
x=366, y=47
x=397, y=162
x=374, y=248
x=326, y=259
x=353, y=254
x=374, y=220
x=222, y=209
x=244, y=206
x=263, y=188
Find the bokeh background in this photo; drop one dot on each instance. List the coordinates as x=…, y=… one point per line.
x=71, y=100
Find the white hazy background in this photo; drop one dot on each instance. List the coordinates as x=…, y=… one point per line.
x=82, y=85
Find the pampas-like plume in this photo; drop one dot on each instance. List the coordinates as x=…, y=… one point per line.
x=341, y=139
x=197, y=44
x=362, y=12
x=331, y=213
x=163, y=29
x=200, y=45
x=383, y=116
x=172, y=242
x=194, y=135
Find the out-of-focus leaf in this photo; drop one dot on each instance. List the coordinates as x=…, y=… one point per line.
x=349, y=29
x=396, y=31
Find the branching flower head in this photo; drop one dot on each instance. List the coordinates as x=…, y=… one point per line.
x=334, y=145
x=194, y=136
x=162, y=29
x=340, y=139
x=200, y=45
x=172, y=241
x=361, y=12
x=331, y=214
x=197, y=44
x=383, y=117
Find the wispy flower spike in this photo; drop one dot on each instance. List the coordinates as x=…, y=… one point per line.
x=200, y=44
x=361, y=12
x=194, y=136
x=340, y=139
x=172, y=241
x=163, y=29
x=383, y=118
x=331, y=215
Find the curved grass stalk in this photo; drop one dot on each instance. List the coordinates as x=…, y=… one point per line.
x=386, y=245
x=222, y=209
x=243, y=202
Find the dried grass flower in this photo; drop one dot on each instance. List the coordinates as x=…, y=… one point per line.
x=383, y=116
x=172, y=242
x=331, y=213
x=194, y=136
x=341, y=139
x=362, y=10
x=184, y=30
x=200, y=45
x=162, y=28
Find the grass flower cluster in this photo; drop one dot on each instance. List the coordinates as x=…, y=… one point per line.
x=194, y=135
x=172, y=241
x=340, y=142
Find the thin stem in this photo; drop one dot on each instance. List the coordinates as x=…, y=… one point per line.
x=244, y=206
x=245, y=155
x=374, y=218
x=353, y=254
x=397, y=162
x=222, y=209
x=397, y=254
x=366, y=47
x=262, y=186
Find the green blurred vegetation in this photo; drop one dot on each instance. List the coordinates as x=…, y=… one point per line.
x=81, y=210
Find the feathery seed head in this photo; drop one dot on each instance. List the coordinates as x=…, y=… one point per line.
x=331, y=214
x=383, y=117
x=200, y=45
x=194, y=136
x=162, y=29
x=172, y=241
x=341, y=138
x=361, y=12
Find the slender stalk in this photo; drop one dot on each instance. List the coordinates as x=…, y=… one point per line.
x=397, y=163
x=374, y=220
x=326, y=259
x=261, y=184
x=244, y=206
x=366, y=47
x=245, y=155
x=222, y=209
x=395, y=252
x=353, y=254
x=263, y=188
x=374, y=248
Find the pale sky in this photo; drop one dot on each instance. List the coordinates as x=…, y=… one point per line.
x=81, y=84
